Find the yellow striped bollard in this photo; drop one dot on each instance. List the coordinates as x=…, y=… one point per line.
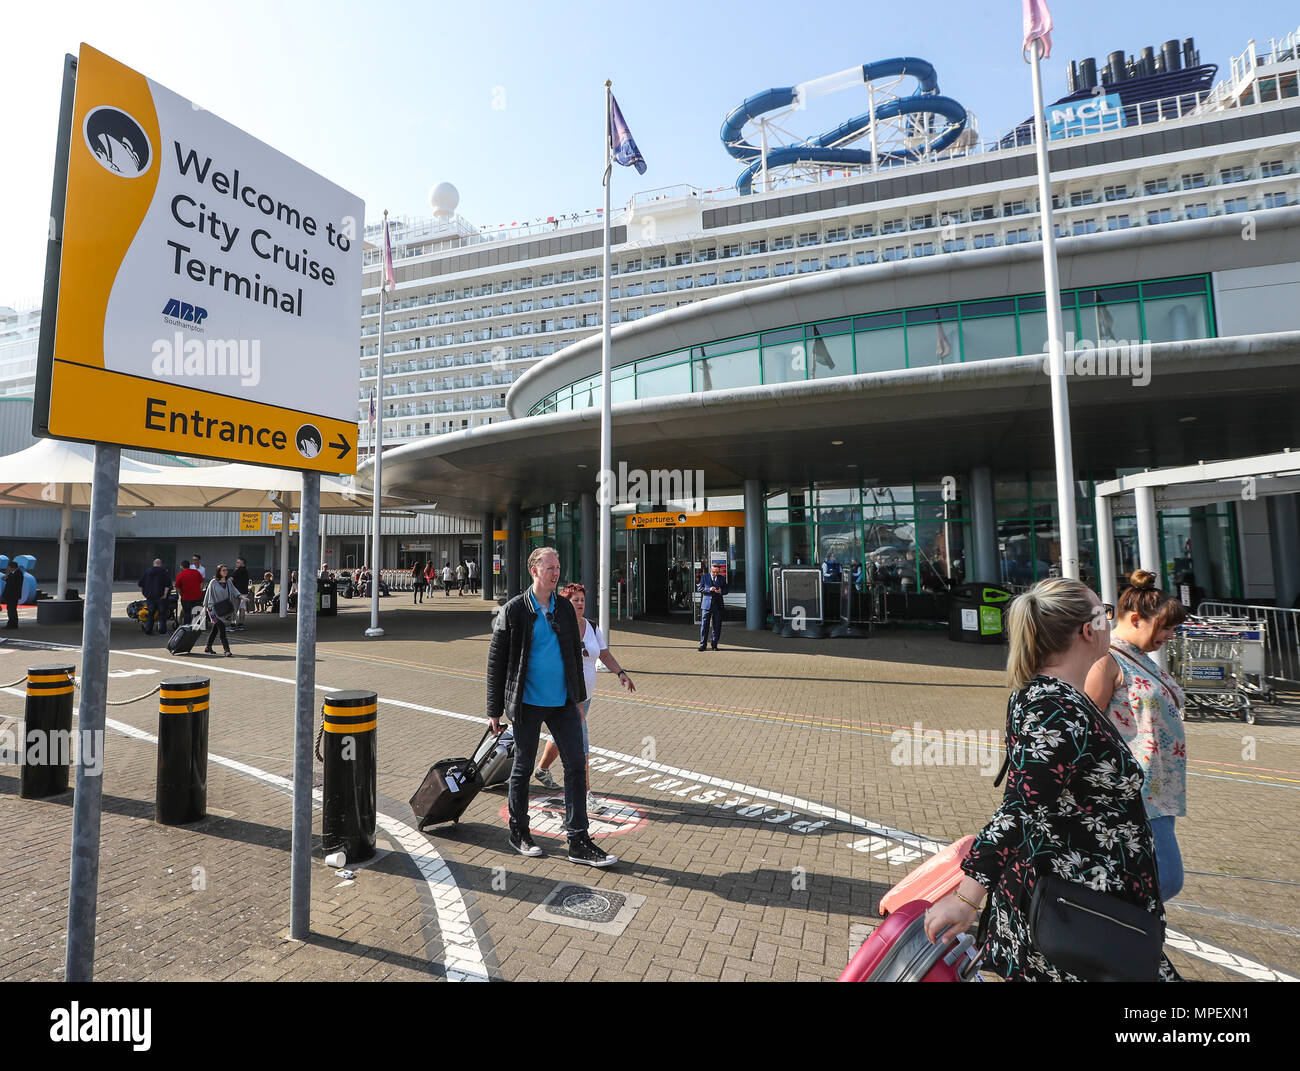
x=182, y=792
x=349, y=755
x=47, y=737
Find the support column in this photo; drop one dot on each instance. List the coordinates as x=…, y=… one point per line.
x=485, y=557
x=755, y=562
x=588, y=515
x=984, y=529
x=514, y=544
x=1284, y=539
x=1106, y=582
x=1144, y=498
x=284, y=563
x=65, y=542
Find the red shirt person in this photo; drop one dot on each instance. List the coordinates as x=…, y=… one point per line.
x=189, y=585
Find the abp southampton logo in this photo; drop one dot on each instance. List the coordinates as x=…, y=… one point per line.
x=177, y=312
x=118, y=142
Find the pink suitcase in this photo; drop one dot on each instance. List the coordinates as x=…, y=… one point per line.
x=899, y=951
x=932, y=880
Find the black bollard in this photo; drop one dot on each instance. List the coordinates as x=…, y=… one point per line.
x=47, y=738
x=348, y=822
x=182, y=792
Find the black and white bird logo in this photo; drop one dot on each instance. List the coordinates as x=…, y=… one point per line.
x=118, y=142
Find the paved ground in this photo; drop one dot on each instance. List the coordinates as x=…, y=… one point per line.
x=754, y=796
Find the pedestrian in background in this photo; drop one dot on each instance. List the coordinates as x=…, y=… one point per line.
x=446, y=579
x=154, y=586
x=13, y=592
x=242, y=582
x=713, y=589
x=189, y=585
x=1143, y=703
x=418, y=582
x=219, y=604
x=462, y=579
x=197, y=562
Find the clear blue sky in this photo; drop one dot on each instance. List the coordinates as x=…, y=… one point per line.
x=387, y=99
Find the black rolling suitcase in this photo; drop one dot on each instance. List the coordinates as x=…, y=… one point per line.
x=183, y=640
x=447, y=790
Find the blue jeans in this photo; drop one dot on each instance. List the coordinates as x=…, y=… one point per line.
x=156, y=614
x=565, y=726
x=1169, y=860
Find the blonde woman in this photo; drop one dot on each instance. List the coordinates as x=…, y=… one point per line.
x=1072, y=807
x=1143, y=703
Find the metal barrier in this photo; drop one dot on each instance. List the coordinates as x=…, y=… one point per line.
x=1282, y=637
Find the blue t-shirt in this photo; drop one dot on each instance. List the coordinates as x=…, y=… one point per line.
x=544, y=684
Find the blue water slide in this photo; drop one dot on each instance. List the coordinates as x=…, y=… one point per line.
x=830, y=148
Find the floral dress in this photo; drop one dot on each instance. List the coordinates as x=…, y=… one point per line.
x=1145, y=711
x=1073, y=808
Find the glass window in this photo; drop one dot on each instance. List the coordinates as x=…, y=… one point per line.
x=882, y=349
x=1110, y=323
x=931, y=340
x=647, y=364
x=785, y=362
x=732, y=370
x=988, y=336
x=664, y=381
x=1175, y=319
x=829, y=354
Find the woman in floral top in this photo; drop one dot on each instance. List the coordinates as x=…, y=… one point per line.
x=1142, y=702
x=1072, y=806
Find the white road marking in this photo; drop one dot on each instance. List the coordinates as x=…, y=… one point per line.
x=1190, y=945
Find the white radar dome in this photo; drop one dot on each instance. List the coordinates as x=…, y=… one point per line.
x=444, y=198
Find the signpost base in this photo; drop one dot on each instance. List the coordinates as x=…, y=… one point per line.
x=373, y=632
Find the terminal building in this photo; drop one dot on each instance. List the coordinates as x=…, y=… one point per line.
x=850, y=357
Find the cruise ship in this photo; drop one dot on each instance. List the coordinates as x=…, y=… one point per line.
x=474, y=307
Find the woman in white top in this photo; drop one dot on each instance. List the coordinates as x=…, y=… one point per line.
x=593, y=647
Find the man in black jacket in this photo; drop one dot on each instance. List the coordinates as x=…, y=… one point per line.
x=241, y=581
x=12, y=595
x=535, y=675
x=154, y=586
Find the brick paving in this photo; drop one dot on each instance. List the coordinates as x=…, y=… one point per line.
x=754, y=768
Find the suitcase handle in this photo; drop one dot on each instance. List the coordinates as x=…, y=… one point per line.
x=471, y=767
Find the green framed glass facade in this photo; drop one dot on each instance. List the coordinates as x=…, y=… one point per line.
x=1159, y=310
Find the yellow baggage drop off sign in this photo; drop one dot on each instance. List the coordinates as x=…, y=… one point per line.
x=207, y=286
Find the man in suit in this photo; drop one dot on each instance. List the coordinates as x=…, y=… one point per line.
x=712, y=587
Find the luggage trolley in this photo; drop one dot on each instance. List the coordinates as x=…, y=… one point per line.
x=1253, y=634
x=1206, y=660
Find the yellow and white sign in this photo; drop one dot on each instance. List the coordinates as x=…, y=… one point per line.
x=705, y=519
x=250, y=522
x=207, y=293
x=277, y=522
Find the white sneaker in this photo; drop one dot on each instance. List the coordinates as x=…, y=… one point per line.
x=545, y=779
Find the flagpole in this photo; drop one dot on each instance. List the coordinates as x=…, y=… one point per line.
x=378, y=449
x=605, y=479
x=1067, y=523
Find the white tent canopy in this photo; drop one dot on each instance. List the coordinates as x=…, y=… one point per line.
x=54, y=474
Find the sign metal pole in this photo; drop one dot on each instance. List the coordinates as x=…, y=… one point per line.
x=377, y=542
x=83, y=890
x=304, y=709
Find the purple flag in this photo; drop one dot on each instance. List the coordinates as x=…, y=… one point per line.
x=1038, y=25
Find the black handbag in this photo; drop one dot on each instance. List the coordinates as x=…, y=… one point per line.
x=1093, y=935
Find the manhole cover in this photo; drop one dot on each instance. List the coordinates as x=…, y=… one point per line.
x=598, y=910
x=589, y=905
